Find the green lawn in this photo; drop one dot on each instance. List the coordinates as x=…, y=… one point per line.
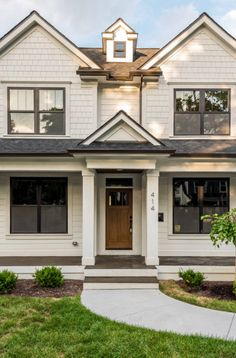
x=38, y=328
x=172, y=289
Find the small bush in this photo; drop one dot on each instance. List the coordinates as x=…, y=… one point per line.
x=234, y=288
x=192, y=278
x=7, y=281
x=49, y=276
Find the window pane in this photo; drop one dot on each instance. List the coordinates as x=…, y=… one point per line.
x=21, y=122
x=187, y=123
x=187, y=101
x=24, y=219
x=53, y=219
x=53, y=192
x=186, y=220
x=118, y=198
x=24, y=192
x=119, y=182
x=216, y=123
x=209, y=211
x=52, y=123
x=186, y=192
x=51, y=100
x=120, y=46
x=21, y=100
x=216, y=101
x=215, y=193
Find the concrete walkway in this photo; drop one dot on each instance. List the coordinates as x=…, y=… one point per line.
x=152, y=309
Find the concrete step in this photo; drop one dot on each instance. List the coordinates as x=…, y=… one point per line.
x=146, y=272
x=108, y=283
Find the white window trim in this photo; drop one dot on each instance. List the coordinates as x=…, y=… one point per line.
x=65, y=85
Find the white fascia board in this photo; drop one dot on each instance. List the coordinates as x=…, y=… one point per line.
x=35, y=19
x=203, y=21
x=121, y=164
x=114, y=122
x=117, y=24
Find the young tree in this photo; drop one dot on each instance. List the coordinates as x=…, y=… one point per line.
x=223, y=229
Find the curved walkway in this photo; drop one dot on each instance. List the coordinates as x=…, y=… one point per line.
x=152, y=309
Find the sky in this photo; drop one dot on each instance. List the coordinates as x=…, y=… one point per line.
x=82, y=21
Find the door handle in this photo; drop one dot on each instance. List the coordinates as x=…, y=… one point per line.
x=130, y=224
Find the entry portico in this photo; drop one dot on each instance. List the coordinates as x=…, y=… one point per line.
x=120, y=190
x=144, y=204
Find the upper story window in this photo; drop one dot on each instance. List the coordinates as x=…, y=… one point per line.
x=202, y=112
x=36, y=111
x=119, y=49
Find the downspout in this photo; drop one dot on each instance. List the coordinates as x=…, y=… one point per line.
x=140, y=99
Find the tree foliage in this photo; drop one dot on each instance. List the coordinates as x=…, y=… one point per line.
x=223, y=227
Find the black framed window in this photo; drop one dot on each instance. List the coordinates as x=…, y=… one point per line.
x=193, y=198
x=202, y=112
x=36, y=111
x=120, y=49
x=38, y=205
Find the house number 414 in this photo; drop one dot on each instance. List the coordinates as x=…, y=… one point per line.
x=152, y=201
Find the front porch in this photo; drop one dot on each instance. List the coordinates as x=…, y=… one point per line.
x=127, y=270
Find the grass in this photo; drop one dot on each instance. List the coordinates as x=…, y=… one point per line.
x=58, y=328
x=172, y=289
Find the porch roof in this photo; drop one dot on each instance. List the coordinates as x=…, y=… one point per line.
x=65, y=147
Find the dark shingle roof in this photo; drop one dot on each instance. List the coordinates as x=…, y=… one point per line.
x=202, y=147
x=64, y=147
x=123, y=147
x=36, y=146
x=121, y=70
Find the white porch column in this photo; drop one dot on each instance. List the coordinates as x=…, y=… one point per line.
x=152, y=217
x=89, y=222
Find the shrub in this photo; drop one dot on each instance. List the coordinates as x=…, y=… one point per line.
x=234, y=288
x=49, y=276
x=192, y=278
x=7, y=281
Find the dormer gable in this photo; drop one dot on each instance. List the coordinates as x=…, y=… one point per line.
x=119, y=42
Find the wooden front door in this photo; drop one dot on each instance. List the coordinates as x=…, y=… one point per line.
x=119, y=219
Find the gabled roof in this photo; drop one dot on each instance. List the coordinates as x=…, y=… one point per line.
x=119, y=22
x=34, y=18
x=204, y=20
x=121, y=117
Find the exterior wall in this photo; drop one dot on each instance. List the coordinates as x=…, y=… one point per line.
x=40, y=244
x=114, y=98
x=202, y=62
x=187, y=245
x=39, y=60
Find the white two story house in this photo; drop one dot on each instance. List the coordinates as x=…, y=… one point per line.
x=115, y=150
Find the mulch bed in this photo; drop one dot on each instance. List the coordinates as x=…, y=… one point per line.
x=213, y=289
x=30, y=288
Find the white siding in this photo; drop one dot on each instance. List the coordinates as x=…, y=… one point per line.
x=40, y=244
x=38, y=59
x=187, y=245
x=113, y=99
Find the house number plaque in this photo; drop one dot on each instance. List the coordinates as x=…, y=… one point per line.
x=153, y=201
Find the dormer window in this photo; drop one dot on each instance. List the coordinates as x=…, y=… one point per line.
x=119, y=49
x=119, y=42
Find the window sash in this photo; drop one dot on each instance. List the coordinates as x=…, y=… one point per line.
x=118, y=52
x=40, y=207
x=36, y=111
x=200, y=207
x=202, y=112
